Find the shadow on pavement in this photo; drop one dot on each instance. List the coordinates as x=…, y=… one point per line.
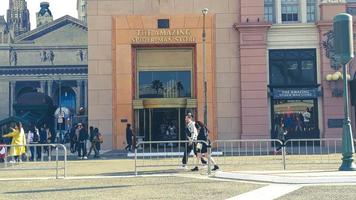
x=67, y=189
x=142, y=173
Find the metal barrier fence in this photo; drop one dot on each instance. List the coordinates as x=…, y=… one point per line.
x=42, y=153
x=164, y=154
x=239, y=152
x=253, y=151
x=313, y=151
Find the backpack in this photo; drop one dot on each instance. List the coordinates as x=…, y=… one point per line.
x=100, y=138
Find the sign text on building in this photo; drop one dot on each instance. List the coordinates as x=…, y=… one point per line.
x=164, y=36
x=295, y=93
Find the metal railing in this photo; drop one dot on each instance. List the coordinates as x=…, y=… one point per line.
x=165, y=154
x=252, y=151
x=42, y=153
x=313, y=151
x=291, y=152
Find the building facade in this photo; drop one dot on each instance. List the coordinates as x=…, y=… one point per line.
x=289, y=53
x=50, y=60
x=82, y=10
x=266, y=61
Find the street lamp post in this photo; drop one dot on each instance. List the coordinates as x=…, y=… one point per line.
x=343, y=46
x=205, y=11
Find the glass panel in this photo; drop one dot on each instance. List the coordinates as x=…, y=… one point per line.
x=156, y=59
x=269, y=10
x=164, y=84
x=165, y=124
x=290, y=10
x=351, y=10
x=299, y=117
x=292, y=67
x=311, y=10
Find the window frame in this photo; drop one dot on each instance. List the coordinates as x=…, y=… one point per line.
x=284, y=59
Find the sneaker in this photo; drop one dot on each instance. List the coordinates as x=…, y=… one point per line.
x=183, y=167
x=80, y=158
x=195, y=169
x=215, y=168
x=12, y=161
x=85, y=158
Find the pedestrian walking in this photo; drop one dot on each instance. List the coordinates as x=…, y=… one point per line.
x=82, y=141
x=129, y=135
x=18, y=142
x=191, y=135
x=201, y=148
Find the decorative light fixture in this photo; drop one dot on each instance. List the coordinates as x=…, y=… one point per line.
x=335, y=83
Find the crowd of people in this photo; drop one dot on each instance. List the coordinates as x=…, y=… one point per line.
x=24, y=144
x=79, y=136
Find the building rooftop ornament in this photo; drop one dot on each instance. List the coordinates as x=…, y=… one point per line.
x=44, y=16
x=18, y=17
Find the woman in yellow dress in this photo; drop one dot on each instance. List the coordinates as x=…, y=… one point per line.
x=18, y=139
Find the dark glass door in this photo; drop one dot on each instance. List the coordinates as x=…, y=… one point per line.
x=160, y=124
x=165, y=124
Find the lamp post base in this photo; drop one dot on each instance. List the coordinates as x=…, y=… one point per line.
x=347, y=165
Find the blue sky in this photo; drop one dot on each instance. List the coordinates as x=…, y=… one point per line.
x=59, y=8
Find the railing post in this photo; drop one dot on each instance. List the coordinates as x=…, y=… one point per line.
x=5, y=159
x=56, y=162
x=284, y=154
x=65, y=161
x=209, y=159
x=136, y=160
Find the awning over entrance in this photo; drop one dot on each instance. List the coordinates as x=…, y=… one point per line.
x=292, y=107
x=165, y=103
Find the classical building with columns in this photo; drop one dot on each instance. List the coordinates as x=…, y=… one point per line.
x=50, y=60
x=267, y=63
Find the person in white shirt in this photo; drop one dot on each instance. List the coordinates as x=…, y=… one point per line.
x=33, y=138
x=191, y=134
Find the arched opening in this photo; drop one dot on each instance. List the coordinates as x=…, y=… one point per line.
x=66, y=97
x=25, y=90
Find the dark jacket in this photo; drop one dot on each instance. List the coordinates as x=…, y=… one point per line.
x=83, y=135
x=129, y=135
x=203, y=134
x=43, y=136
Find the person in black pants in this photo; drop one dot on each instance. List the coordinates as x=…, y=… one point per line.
x=201, y=148
x=129, y=135
x=191, y=134
x=82, y=142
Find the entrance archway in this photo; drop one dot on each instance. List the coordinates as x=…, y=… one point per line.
x=67, y=98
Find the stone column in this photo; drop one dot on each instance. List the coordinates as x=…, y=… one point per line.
x=79, y=93
x=49, y=88
x=278, y=13
x=254, y=80
x=303, y=11
x=85, y=96
x=42, y=86
x=12, y=97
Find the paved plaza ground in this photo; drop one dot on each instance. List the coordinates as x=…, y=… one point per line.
x=113, y=177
